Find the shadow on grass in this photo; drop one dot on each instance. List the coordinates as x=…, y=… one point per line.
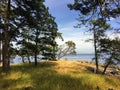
x=91, y=69
x=22, y=73
x=43, y=77
x=25, y=67
x=61, y=82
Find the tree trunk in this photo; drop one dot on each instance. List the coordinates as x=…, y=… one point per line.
x=5, y=63
x=36, y=49
x=35, y=59
x=54, y=54
x=106, y=66
x=1, y=50
x=5, y=47
x=95, y=49
x=23, y=59
x=5, y=52
x=36, y=54
x=28, y=59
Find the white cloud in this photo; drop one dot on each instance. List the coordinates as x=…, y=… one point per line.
x=77, y=36
x=66, y=22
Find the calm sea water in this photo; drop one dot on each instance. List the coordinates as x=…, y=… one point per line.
x=81, y=57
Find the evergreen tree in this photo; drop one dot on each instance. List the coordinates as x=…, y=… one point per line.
x=92, y=10
x=66, y=49
x=48, y=43
x=4, y=22
x=25, y=48
x=110, y=51
x=45, y=28
x=16, y=16
x=99, y=28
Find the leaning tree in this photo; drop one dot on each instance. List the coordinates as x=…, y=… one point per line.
x=95, y=9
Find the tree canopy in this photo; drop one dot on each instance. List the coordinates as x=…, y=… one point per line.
x=96, y=13
x=18, y=16
x=66, y=49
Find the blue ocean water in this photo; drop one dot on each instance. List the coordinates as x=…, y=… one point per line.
x=81, y=57
x=77, y=57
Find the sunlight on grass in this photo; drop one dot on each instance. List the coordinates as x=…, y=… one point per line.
x=56, y=75
x=14, y=75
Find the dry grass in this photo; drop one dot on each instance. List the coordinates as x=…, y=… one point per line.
x=57, y=75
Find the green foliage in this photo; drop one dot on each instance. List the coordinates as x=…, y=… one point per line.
x=66, y=49
x=110, y=51
x=96, y=13
x=98, y=28
x=101, y=24
x=48, y=45
x=59, y=35
x=42, y=30
x=26, y=22
x=96, y=8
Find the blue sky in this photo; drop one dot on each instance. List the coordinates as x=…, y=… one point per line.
x=66, y=20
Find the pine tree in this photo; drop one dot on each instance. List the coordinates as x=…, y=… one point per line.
x=92, y=10
x=16, y=16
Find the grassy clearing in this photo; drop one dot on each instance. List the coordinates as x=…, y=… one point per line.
x=56, y=75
